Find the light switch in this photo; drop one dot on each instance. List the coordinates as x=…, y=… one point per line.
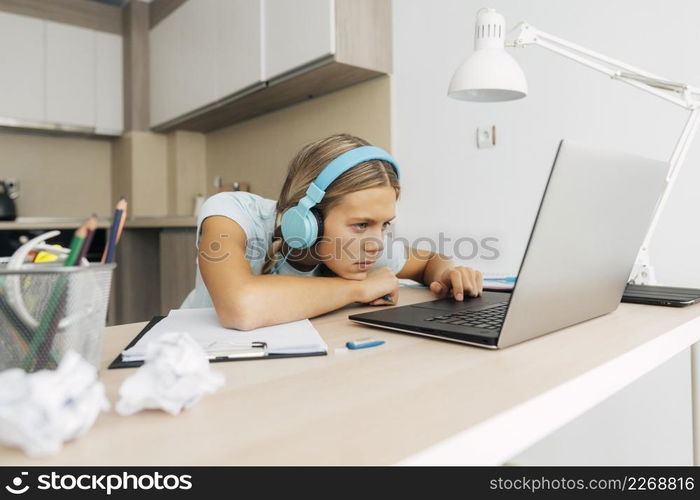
x=486, y=137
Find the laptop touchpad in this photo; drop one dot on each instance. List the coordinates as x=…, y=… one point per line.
x=486, y=299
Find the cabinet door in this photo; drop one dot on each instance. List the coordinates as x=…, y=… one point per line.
x=297, y=33
x=109, y=87
x=164, y=60
x=70, y=74
x=183, y=49
x=198, y=48
x=239, y=55
x=21, y=67
x=203, y=51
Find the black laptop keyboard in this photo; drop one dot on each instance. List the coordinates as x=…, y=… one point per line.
x=490, y=318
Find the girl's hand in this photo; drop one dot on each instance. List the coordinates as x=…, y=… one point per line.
x=379, y=283
x=458, y=281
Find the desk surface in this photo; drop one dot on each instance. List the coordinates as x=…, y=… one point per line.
x=412, y=400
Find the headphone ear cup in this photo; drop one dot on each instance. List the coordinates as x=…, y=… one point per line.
x=298, y=226
x=319, y=223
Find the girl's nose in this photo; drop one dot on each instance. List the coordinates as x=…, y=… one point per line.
x=373, y=245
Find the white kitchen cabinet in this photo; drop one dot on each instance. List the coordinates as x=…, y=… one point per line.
x=54, y=75
x=109, y=110
x=197, y=49
x=21, y=67
x=239, y=58
x=183, y=49
x=70, y=74
x=216, y=62
x=182, y=60
x=164, y=60
x=297, y=33
x=203, y=51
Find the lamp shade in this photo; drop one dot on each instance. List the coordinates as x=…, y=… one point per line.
x=490, y=73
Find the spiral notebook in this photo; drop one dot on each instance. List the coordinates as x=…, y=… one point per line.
x=293, y=339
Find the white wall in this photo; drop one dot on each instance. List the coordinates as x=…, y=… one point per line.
x=450, y=185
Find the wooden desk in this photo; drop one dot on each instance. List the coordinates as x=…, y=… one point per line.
x=412, y=400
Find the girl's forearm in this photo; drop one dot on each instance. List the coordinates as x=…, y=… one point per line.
x=436, y=265
x=272, y=299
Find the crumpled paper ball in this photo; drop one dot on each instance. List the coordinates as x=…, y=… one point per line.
x=174, y=376
x=40, y=411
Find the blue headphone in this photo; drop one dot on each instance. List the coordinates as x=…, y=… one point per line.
x=302, y=224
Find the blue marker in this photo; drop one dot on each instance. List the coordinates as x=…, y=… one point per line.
x=507, y=279
x=363, y=343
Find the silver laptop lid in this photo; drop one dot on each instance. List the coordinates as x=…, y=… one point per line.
x=594, y=215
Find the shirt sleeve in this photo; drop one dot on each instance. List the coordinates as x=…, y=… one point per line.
x=393, y=255
x=236, y=206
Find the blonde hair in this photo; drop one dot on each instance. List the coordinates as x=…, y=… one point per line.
x=307, y=164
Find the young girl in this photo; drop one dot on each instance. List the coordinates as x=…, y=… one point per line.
x=253, y=277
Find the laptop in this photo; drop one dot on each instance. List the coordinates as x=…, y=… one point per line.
x=592, y=219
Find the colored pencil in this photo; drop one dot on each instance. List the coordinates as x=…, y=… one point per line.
x=44, y=333
x=76, y=244
x=40, y=345
x=123, y=220
x=108, y=255
x=23, y=332
x=91, y=228
x=44, y=356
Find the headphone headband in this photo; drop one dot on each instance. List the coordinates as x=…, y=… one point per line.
x=300, y=224
x=348, y=160
x=343, y=163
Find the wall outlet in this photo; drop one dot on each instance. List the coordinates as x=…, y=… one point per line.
x=12, y=186
x=486, y=137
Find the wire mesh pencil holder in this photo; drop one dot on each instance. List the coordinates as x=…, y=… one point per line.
x=47, y=310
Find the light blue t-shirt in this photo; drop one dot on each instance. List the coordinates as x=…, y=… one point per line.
x=256, y=215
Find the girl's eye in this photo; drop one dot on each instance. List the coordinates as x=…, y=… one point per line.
x=363, y=225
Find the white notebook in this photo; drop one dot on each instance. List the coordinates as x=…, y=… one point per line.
x=295, y=337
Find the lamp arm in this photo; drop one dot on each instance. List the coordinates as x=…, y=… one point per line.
x=677, y=158
x=681, y=94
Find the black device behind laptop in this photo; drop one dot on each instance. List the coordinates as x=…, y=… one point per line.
x=661, y=295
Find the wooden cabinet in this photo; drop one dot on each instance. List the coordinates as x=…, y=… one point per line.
x=21, y=67
x=268, y=54
x=155, y=271
x=297, y=33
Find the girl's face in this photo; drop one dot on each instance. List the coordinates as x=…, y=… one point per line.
x=353, y=235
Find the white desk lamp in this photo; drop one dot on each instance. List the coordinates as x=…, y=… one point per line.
x=491, y=74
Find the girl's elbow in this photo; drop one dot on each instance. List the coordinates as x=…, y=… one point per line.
x=238, y=315
x=237, y=322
